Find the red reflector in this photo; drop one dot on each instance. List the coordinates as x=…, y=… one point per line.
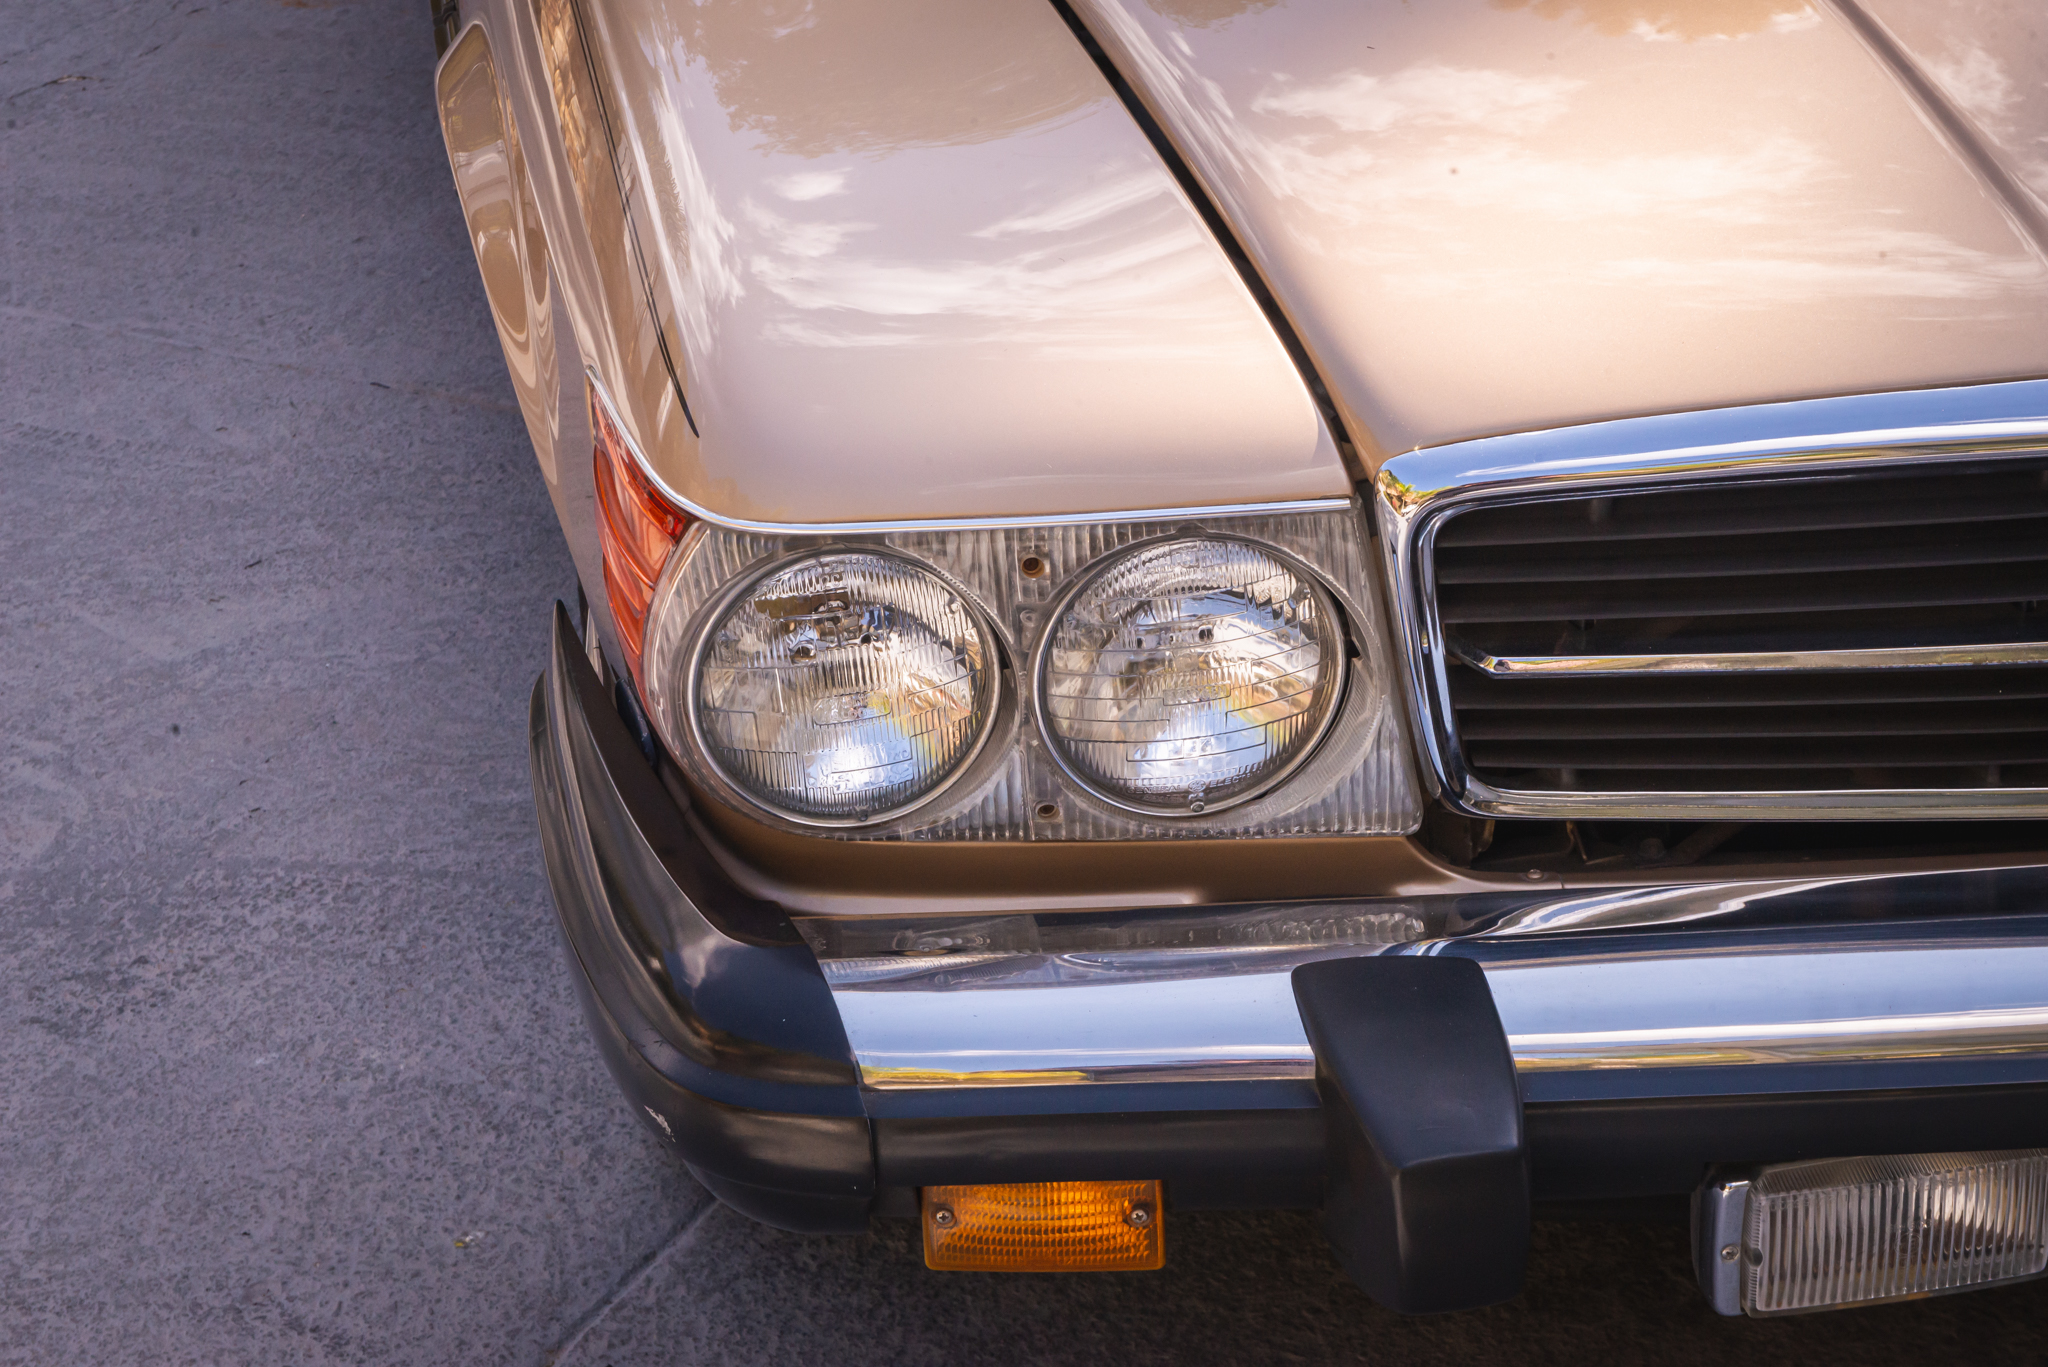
x=636, y=526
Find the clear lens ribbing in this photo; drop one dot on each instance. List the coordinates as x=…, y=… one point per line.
x=1188, y=674
x=844, y=685
x=1873, y=1229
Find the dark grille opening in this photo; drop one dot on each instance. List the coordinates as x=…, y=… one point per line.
x=1954, y=555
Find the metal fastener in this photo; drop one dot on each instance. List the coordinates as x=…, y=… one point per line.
x=943, y=1217
x=1138, y=1216
x=1729, y=1253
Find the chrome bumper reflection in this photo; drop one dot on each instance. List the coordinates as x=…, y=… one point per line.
x=994, y=1008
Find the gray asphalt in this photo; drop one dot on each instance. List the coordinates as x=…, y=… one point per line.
x=290, y=1070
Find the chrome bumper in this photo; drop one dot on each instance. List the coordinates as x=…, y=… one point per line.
x=1935, y=979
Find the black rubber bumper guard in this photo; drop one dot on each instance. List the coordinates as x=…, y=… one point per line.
x=713, y=1015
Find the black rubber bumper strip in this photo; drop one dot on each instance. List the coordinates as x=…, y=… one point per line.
x=1428, y=1204
x=725, y=1037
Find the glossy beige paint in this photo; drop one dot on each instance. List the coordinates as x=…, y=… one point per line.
x=505, y=231
x=1989, y=61
x=912, y=259
x=1487, y=216
x=502, y=201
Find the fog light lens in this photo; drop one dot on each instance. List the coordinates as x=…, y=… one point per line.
x=1185, y=676
x=845, y=686
x=1044, y=1227
x=1854, y=1231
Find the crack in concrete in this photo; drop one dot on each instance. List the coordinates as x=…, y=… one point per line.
x=632, y=1281
x=32, y=89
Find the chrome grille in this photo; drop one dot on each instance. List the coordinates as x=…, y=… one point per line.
x=1867, y=630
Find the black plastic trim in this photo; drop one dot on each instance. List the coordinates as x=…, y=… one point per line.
x=1629, y=1148
x=1224, y=1159
x=732, y=1049
x=1428, y=1203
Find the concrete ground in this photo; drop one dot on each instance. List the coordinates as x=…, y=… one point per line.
x=290, y=1070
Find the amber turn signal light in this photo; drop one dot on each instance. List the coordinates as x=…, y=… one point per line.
x=1044, y=1227
x=636, y=526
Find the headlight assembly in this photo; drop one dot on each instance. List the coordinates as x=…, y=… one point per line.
x=843, y=686
x=1187, y=675
x=1135, y=680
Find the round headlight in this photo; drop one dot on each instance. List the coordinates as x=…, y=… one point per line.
x=1188, y=675
x=844, y=686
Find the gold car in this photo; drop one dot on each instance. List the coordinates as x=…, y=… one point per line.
x=1419, y=610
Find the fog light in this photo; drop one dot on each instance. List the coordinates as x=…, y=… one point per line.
x=1855, y=1231
x=1044, y=1227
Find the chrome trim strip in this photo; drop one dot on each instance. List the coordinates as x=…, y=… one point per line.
x=1414, y=492
x=1657, y=998
x=1753, y=662
x=1954, y=1034
x=939, y=524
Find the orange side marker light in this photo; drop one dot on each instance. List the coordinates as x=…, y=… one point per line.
x=637, y=528
x=1044, y=1227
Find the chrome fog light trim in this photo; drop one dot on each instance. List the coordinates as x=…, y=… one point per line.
x=1792, y=1238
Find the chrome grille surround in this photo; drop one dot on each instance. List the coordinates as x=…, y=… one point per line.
x=1415, y=493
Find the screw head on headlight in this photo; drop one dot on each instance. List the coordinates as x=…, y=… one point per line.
x=1184, y=676
x=844, y=686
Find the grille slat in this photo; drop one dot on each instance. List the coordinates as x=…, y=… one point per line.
x=1858, y=501
x=1985, y=718
x=1953, y=554
x=1747, y=595
x=1696, y=557
x=1761, y=753
x=1472, y=690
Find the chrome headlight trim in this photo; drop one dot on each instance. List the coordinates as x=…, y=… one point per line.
x=1082, y=581
x=1415, y=493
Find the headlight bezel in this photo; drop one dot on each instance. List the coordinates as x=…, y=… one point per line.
x=1357, y=778
x=1080, y=582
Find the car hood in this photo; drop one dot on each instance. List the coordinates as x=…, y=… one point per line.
x=915, y=259
x=1487, y=216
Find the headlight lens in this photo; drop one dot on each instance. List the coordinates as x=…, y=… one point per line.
x=843, y=686
x=1187, y=675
